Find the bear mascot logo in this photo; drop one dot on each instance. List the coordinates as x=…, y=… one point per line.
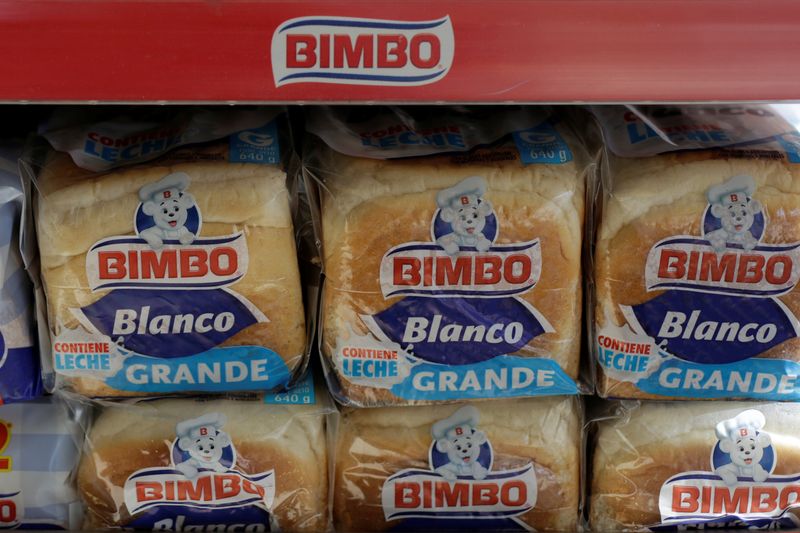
x=459, y=438
x=732, y=203
x=168, y=203
x=205, y=442
x=464, y=208
x=740, y=438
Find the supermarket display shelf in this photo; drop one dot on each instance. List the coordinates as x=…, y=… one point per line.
x=413, y=51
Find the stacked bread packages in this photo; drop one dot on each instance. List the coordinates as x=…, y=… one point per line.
x=452, y=241
x=698, y=255
x=697, y=262
x=169, y=257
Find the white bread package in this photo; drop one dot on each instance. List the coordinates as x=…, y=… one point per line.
x=39, y=453
x=698, y=254
x=452, y=253
x=696, y=465
x=174, y=275
x=20, y=377
x=216, y=465
x=508, y=465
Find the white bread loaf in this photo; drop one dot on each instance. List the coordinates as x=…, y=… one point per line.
x=635, y=455
x=385, y=479
x=260, y=305
x=675, y=288
x=378, y=215
x=134, y=453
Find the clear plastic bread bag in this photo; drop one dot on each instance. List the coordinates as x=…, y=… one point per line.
x=39, y=453
x=697, y=256
x=694, y=465
x=504, y=465
x=168, y=242
x=451, y=240
x=246, y=463
x=20, y=377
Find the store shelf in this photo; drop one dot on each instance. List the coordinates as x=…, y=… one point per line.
x=504, y=50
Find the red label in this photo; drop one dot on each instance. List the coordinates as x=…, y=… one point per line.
x=362, y=51
x=5, y=438
x=438, y=494
x=123, y=262
x=8, y=512
x=728, y=267
x=171, y=264
x=204, y=489
x=461, y=271
x=742, y=500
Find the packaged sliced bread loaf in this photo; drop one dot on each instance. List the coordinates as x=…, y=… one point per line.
x=221, y=465
x=173, y=274
x=698, y=255
x=696, y=465
x=452, y=253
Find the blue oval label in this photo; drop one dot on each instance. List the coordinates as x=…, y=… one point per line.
x=458, y=331
x=714, y=328
x=170, y=323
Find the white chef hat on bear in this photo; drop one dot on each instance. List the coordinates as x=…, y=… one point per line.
x=202, y=426
x=464, y=193
x=735, y=190
x=745, y=424
x=457, y=424
x=167, y=187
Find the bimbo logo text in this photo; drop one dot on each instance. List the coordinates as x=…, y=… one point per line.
x=729, y=257
x=460, y=482
x=362, y=51
x=202, y=478
x=168, y=251
x=462, y=260
x=741, y=486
